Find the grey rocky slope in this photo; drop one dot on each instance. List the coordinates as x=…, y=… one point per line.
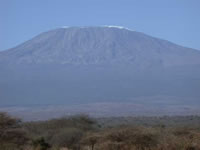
x=85, y=65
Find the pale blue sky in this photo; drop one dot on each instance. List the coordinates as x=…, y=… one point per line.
x=174, y=20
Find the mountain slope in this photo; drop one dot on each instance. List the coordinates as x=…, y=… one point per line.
x=99, y=45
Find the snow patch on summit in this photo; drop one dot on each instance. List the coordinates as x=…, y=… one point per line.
x=106, y=26
x=119, y=27
x=65, y=27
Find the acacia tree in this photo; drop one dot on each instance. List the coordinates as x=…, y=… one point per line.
x=91, y=140
x=11, y=132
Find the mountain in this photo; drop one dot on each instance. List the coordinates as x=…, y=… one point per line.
x=99, y=45
x=92, y=65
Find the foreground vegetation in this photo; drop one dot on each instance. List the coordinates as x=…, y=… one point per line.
x=84, y=133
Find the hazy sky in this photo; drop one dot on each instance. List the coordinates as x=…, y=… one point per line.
x=174, y=20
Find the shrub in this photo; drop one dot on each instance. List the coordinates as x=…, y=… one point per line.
x=68, y=138
x=11, y=132
x=40, y=144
